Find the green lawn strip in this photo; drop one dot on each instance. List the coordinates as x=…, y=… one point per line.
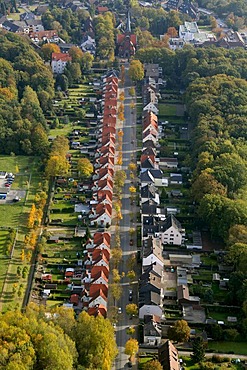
x=167, y=110
x=219, y=316
x=144, y=360
x=3, y=258
x=203, y=275
x=239, y=348
x=219, y=294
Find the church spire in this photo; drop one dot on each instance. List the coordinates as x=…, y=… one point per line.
x=128, y=25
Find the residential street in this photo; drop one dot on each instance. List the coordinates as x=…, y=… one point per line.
x=129, y=148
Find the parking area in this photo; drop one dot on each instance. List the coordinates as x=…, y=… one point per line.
x=7, y=194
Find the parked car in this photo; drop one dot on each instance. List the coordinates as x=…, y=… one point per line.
x=130, y=295
x=119, y=310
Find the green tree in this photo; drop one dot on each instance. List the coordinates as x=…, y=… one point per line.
x=136, y=70
x=198, y=354
x=179, y=332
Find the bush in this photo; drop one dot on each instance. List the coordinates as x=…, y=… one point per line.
x=216, y=359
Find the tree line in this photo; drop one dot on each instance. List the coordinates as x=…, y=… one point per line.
x=54, y=340
x=26, y=90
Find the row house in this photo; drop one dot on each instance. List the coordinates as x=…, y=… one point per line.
x=158, y=229
x=101, y=204
x=95, y=265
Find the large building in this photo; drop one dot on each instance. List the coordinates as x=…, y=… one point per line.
x=127, y=41
x=59, y=62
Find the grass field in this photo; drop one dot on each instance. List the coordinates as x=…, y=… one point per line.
x=239, y=348
x=167, y=110
x=15, y=215
x=3, y=259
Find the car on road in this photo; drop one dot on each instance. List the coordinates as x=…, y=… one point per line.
x=129, y=364
x=130, y=295
x=7, y=185
x=131, y=242
x=119, y=310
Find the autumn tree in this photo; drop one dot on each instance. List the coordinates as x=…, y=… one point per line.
x=131, y=347
x=132, y=91
x=95, y=342
x=179, y=332
x=84, y=167
x=131, y=275
x=57, y=166
x=152, y=365
x=172, y=32
x=48, y=49
x=32, y=217
x=76, y=54
x=115, y=275
x=132, y=309
x=116, y=254
x=136, y=70
x=116, y=291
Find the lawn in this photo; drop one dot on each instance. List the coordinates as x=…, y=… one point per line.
x=3, y=259
x=144, y=360
x=239, y=348
x=189, y=364
x=167, y=110
x=15, y=215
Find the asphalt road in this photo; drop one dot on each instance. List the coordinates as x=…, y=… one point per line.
x=129, y=152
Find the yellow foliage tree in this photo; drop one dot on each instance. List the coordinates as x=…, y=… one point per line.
x=132, y=189
x=121, y=96
x=22, y=255
x=32, y=239
x=131, y=347
x=32, y=217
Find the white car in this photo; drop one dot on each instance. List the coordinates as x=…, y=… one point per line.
x=119, y=310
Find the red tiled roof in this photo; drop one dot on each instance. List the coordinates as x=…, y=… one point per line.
x=101, y=254
x=41, y=34
x=100, y=274
x=98, y=310
x=96, y=269
x=61, y=56
x=74, y=298
x=98, y=289
x=121, y=38
x=102, y=9
x=144, y=157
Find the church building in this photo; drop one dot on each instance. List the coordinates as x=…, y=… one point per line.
x=127, y=41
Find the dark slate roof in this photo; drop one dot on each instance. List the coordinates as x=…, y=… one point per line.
x=170, y=221
x=149, y=144
x=149, y=230
x=149, y=151
x=149, y=298
x=148, y=191
x=146, y=177
x=26, y=16
x=149, y=209
x=151, y=329
x=155, y=268
x=9, y=26
x=147, y=163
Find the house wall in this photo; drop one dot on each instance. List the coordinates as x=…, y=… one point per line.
x=150, y=310
x=151, y=259
x=152, y=340
x=171, y=236
x=98, y=300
